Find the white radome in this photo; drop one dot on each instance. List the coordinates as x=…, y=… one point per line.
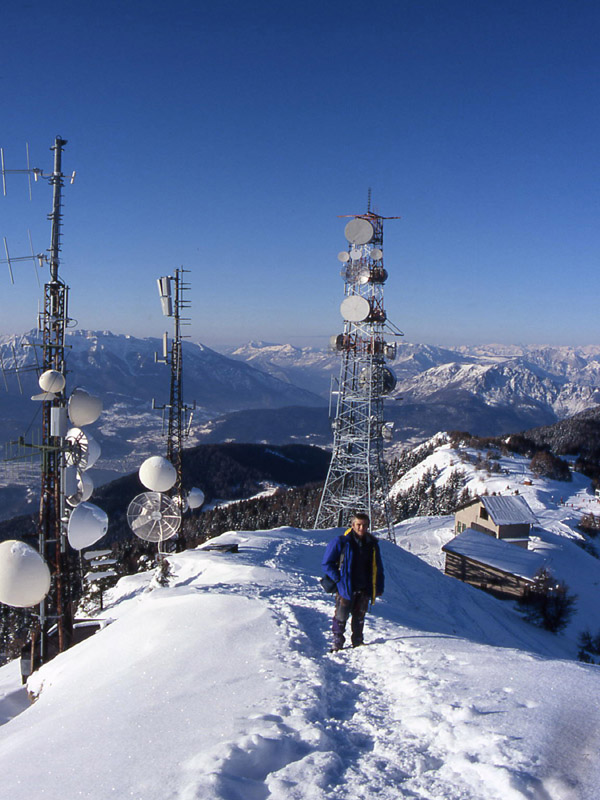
x=195, y=498
x=359, y=231
x=87, y=525
x=84, y=408
x=157, y=474
x=52, y=381
x=24, y=575
x=355, y=308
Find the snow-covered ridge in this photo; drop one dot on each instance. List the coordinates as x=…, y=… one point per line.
x=220, y=686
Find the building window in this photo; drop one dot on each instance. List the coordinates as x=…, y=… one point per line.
x=483, y=513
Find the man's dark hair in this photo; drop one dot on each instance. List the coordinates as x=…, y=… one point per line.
x=363, y=516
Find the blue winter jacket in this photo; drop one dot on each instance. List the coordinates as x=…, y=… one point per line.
x=345, y=545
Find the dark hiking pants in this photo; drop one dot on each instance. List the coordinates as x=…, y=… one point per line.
x=357, y=607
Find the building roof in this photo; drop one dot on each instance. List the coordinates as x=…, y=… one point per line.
x=492, y=552
x=511, y=510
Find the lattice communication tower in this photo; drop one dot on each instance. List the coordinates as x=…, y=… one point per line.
x=357, y=477
x=172, y=290
x=56, y=609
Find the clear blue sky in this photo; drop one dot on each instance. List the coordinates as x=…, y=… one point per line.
x=226, y=137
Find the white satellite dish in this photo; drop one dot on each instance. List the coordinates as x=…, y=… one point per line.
x=376, y=254
x=82, y=449
x=356, y=255
x=87, y=524
x=153, y=516
x=84, y=486
x=195, y=497
x=158, y=474
x=355, y=308
x=52, y=381
x=343, y=257
x=24, y=575
x=84, y=408
x=359, y=231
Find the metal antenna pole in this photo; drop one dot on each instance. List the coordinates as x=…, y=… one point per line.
x=357, y=477
x=56, y=608
x=177, y=427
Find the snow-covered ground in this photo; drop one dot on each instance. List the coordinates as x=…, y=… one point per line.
x=220, y=687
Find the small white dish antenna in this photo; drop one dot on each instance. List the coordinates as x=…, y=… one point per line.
x=356, y=255
x=84, y=408
x=87, y=525
x=195, y=497
x=343, y=257
x=376, y=254
x=82, y=449
x=355, y=308
x=153, y=517
x=52, y=381
x=364, y=276
x=158, y=474
x=359, y=231
x=84, y=487
x=24, y=575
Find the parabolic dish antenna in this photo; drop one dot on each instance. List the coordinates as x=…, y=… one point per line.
x=195, y=497
x=355, y=308
x=376, y=254
x=359, y=231
x=356, y=255
x=343, y=257
x=24, y=575
x=87, y=525
x=158, y=474
x=153, y=516
x=52, y=381
x=84, y=486
x=84, y=408
x=82, y=449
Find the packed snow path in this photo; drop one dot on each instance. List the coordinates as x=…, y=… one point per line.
x=220, y=687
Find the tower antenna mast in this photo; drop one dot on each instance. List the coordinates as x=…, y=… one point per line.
x=357, y=477
x=172, y=290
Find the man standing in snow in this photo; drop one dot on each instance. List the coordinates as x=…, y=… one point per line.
x=353, y=562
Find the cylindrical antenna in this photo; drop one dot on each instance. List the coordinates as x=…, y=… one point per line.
x=57, y=182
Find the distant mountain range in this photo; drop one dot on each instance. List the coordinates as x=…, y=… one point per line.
x=123, y=371
x=271, y=393
x=490, y=389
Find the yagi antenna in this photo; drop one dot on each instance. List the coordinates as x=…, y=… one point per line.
x=10, y=260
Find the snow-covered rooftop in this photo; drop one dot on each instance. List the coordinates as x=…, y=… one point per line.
x=488, y=550
x=511, y=510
